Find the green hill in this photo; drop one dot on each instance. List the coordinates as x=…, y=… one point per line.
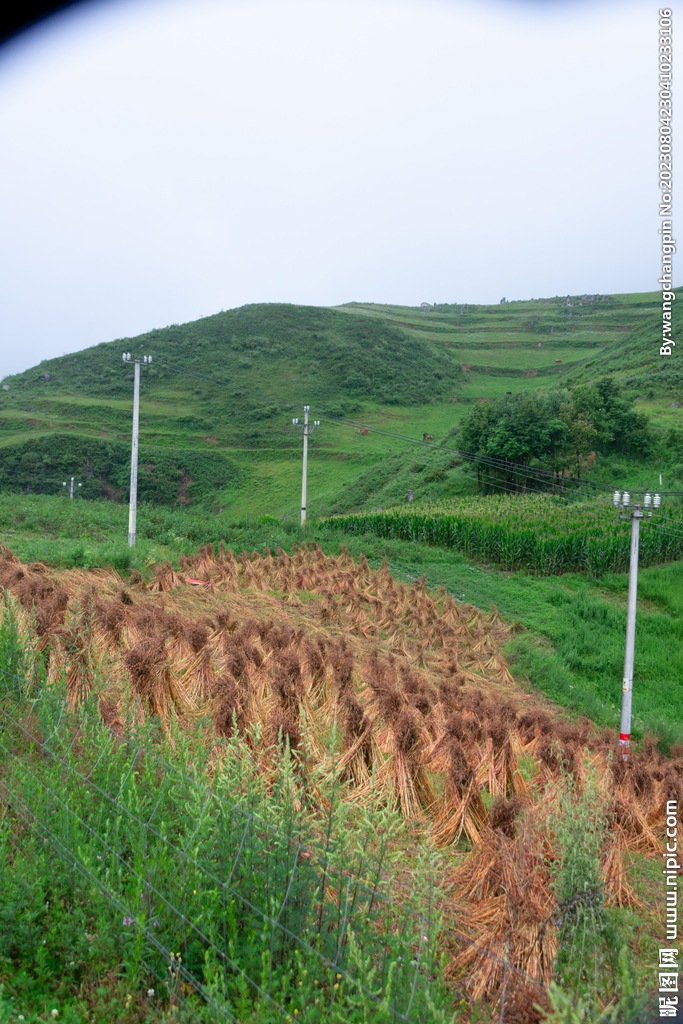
x=405, y=370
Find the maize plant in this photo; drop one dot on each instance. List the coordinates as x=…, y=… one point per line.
x=537, y=533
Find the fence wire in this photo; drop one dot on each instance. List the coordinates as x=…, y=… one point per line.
x=228, y=907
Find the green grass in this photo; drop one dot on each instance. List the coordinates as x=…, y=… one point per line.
x=522, y=355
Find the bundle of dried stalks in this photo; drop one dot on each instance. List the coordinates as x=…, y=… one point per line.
x=506, y=885
x=164, y=579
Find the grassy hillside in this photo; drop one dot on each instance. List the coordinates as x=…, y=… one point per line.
x=207, y=433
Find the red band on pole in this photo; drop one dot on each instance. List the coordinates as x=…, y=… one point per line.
x=624, y=737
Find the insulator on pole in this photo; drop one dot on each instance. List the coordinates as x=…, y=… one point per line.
x=647, y=500
x=616, y=498
x=657, y=501
x=626, y=500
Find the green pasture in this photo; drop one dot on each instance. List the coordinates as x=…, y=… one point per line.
x=486, y=385
x=522, y=357
x=276, y=484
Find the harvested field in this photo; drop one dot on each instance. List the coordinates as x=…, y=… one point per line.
x=401, y=692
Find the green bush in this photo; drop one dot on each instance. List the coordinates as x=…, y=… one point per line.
x=165, y=476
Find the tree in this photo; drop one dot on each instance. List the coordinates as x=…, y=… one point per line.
x=515, y=431
x=588, y=427
x=557, y=429
x=630, y=430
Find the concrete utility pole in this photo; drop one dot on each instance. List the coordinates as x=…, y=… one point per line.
x=635, y=513
x=71, y=487
x=306, y=430
x=132, y=514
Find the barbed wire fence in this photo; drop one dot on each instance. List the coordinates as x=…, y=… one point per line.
x=235, y=918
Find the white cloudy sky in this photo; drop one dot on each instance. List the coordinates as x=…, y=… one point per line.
x=165, y=159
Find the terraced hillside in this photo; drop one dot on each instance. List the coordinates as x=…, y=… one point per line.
x=218, y=400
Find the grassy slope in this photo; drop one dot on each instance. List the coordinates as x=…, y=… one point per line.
x=395, y=368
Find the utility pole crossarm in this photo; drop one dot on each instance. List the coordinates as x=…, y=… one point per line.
x=71, y=488
x=306, y=429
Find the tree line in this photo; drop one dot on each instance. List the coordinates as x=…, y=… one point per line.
x=561, y=430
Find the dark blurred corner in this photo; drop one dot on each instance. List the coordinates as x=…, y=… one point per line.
x=24, y=13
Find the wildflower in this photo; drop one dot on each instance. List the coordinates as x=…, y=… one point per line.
x=54, y=1013
x=127, y=921
x=156, y=923
x=194, y=892
x=21, y=1017
x=150, y=992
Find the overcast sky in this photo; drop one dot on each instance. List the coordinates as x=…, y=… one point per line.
x=165, y=159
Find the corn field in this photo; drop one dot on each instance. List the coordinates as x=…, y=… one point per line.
x=400, y=694
x=534, y=533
